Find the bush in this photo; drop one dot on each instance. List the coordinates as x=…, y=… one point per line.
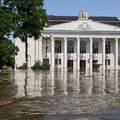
x=45, y=66
x=39, y=66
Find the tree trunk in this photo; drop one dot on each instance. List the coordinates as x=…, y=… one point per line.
x=26, y=51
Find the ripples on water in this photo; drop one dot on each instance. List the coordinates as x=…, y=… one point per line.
x=58, y=96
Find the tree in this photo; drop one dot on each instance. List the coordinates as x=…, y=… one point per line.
x=7, y=53
x=31, y=18
x=7, y=48
x=6, y=21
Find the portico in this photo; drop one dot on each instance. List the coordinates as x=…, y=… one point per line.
x=72, y=51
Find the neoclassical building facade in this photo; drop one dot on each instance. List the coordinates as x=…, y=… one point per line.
x=75, y=44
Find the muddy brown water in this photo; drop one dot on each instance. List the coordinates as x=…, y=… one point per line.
x=61, y=96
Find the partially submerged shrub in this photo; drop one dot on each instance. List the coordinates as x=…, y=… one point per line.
x=45, y=66
x=39, y=66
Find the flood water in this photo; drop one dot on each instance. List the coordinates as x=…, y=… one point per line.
x=61, y=96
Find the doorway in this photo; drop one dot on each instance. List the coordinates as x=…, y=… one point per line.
x=82, y=65
x=70, y=66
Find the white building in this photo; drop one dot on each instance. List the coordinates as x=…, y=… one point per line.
x=81, y=44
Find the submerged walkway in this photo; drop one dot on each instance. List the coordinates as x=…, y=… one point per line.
x=56, y=96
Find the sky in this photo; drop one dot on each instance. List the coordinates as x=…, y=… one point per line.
x=73, y=7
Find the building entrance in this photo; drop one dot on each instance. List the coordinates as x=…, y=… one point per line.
x=70, y=65
x=82, y=65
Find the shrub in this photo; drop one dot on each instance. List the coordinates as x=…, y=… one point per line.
x=45, y=66
x=39, y=66
x=36, y=66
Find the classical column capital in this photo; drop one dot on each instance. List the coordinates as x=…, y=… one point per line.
x=103, y=38
x=91, y=39
x=65, y=38
x=78, y=38
x=116, y=39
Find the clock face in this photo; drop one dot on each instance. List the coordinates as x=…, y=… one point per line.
x=84, y=26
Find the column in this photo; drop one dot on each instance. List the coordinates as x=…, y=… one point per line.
x=103, y=55
x=40, y=50
x=90, y=57
x=116, y=53
x=52, y=54
x=35, y=52
x=65, y=55
x=78, y=54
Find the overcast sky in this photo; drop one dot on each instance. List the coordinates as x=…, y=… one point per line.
x=93, y=7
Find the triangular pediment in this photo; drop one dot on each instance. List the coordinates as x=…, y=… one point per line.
x=84, y=25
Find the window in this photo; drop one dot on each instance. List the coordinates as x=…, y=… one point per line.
x=108, y=47
x=82, y=47
x=70, y=47
x=107, y=62
x=95, y=46
x=46, y=61
x=57, y=61
x=57, y=46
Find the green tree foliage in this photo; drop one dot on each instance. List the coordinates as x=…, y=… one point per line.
x=6, y=21
x=31, y=18
x=7, y=52
x=7, y=48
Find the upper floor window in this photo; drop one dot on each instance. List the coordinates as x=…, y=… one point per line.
x=95, y=46
x=82, y=47
x=108, y=47
x=70, y=47
x=57, y=46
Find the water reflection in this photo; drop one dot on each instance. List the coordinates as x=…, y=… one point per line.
x=49, y=83
x=62, y=96
x=111, y=82
x=8, y=88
